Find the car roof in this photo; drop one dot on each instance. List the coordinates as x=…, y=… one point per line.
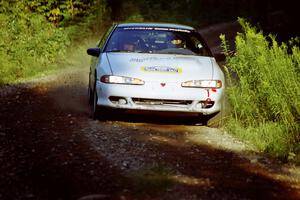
x=160, y=25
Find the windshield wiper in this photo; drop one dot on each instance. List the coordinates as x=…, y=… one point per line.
x=127, y=51
x=176, y=53
x=144, y=51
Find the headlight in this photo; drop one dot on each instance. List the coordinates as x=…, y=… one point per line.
x=203, y=84
x=121, y=80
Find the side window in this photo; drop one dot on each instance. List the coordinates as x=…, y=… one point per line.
x=202, y=46
x=101, y=43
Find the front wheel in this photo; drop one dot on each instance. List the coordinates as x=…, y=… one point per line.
x=95, y=108
x=90, y=94
x=216, y=120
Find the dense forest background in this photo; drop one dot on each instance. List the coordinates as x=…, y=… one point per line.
x=279, y=17
x=274, y=16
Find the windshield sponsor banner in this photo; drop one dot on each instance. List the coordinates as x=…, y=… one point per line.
x=157, y=28
x=162, y=69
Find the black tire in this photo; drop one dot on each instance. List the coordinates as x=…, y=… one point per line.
x=90, y=94
x=216, y=120
x=95, y=109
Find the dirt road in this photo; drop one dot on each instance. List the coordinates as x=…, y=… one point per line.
x=51, y=149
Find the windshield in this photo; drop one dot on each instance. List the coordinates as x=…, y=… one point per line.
x=156, y=40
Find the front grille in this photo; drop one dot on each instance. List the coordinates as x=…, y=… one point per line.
x=142, y=101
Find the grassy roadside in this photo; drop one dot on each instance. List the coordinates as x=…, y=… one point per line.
x=264, y=97
x=28, y=46
x=75, y=58
x=31, y=45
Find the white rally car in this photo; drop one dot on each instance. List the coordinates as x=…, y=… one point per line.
x=156, y=67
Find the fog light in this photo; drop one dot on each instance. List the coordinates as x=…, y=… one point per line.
x=122, y=101
x=200, y=105
x=208, y=103
x=118, y=100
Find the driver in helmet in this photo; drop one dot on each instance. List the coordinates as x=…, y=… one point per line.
x=128, y=44
x=176, y=42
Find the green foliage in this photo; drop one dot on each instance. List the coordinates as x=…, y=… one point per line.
x=133, y=13
x=196, y=13
x=61, y=11
x=264, y=92
x=270, y=137
x=28, y=43
x=31, y=40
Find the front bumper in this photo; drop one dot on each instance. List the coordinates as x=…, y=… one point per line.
x=153, y=97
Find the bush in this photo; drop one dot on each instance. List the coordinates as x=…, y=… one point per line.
x=28, y=44
x=264, y=91
x=32, y=43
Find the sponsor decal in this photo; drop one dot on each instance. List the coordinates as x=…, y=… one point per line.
x=139, y=60
x=157, y=28
x=162, y=69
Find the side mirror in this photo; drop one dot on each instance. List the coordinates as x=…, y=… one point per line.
x=94, y=52
x=220, y=57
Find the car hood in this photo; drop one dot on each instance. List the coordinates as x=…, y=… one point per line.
x=160, y=67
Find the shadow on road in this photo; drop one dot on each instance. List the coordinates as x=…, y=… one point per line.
x=42, y=157
x=46, y=155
